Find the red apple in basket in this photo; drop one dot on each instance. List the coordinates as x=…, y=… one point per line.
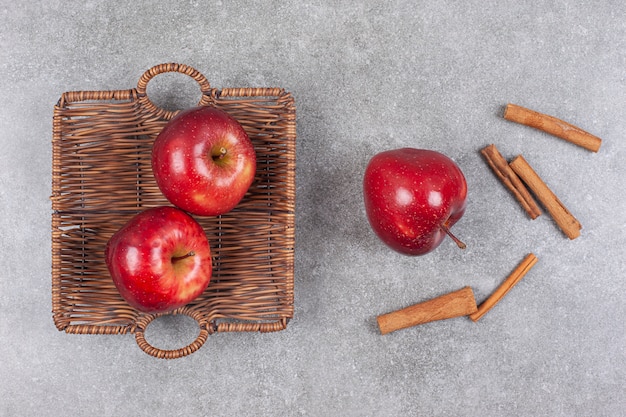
x=160, y=260
x=413, y=197
x=203, y=161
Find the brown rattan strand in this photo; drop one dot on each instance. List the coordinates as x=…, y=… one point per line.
x=102, y=176
x=149, y=107
x=146, y=319
x=252, y=327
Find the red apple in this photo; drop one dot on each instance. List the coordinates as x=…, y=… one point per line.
x=203, y=161
x=160, y=260
x=413, y=197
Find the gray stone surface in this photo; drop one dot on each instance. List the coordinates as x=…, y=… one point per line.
x=367, y=76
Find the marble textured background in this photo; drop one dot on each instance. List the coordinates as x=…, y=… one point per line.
x=367, y=76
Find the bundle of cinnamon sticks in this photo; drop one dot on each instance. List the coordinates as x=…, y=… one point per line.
x=518, y=174
x=455, y=304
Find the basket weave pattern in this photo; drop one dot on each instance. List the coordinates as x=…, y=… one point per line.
x=102, y=176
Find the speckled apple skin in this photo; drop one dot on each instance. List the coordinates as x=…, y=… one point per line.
x=139, y=259
x=409, y=193
x=188, y=170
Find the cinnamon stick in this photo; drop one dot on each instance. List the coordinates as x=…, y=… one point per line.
x=454, y=304
x=511, y=181
x=553, y=126
x=518, y=273
x=563, y=218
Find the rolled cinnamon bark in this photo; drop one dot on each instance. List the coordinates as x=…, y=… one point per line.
x=561, y=215
x=510, y=180
x=455, y=304
x=552, y=125
x=518, y=273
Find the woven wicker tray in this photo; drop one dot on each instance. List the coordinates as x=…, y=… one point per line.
x=101, y=177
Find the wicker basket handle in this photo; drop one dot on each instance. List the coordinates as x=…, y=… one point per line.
x=146, y=319
x=142, y=85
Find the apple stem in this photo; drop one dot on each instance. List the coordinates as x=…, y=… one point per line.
x=222, y=153
x=180, y=258
x=454, y=238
